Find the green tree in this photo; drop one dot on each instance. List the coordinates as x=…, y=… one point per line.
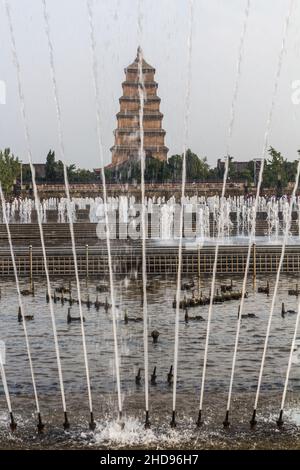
x=274, y=170
x=50, y=169
x=196, y=168
x=157, y=171
x=55, y=170
x=175, y=167
x=80, y=175
x=9, y=170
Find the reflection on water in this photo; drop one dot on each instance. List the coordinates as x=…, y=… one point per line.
x=98, y=327
x=242, y=241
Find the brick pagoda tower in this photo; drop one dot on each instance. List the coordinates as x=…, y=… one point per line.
x=127, y=134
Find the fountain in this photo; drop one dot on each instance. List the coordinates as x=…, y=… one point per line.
x=235, y=216
x=118, y=325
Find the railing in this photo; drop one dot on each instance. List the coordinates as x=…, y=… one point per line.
x=92, y=261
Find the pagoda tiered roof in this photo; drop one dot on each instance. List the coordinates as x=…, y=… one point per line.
x=127, y=133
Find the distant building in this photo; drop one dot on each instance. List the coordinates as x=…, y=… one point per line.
x=240, y=167
x=127, y=134
x=40, y=170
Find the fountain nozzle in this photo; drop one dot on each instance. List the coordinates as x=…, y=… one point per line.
x=138, y=377
x=173, y=421
x=92, y=424
x=121, y=423
x=186, y=316
x=155, y=335
x=170, y=375
x=153, y=376
x=199, y=420
x=13, y=424
x=66, y=422
x=280, y=420
x=147, y=421
x=226, y=422
x=253, y=421
x=40, y=425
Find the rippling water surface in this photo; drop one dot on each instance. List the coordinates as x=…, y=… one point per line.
x=98, y=327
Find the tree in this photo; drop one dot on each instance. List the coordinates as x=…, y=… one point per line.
x=154, y=170
x=50, y=169
x=9, y=170
x=275, y=170
x=175, y=167
x=80, y=175
x=55, y=170
x=197, y=168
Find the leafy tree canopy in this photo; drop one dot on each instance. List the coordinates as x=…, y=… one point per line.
x=278, y=171
x=157, y=171
x=9, y=170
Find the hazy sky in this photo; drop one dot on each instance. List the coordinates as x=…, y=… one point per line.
x=217, y=27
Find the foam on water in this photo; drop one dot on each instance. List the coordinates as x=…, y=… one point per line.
x=293, y=415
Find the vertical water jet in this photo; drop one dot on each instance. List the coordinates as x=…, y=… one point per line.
x=36, y=197
x=185, y=142
x=67, y=189
x=255, y=206
x=100, y=149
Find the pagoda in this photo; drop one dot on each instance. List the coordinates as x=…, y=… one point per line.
x=127, y=134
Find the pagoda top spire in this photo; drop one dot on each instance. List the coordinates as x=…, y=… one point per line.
x=135, y=64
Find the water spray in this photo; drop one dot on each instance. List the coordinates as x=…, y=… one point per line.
x=13, y=424
x=293, y=344
x=253, y=218
x=220, y=221
x=67, y=189
x=286, y=233
x=100, y=148
x=21, y=312
x=142, y=156
x=185, y=143
x=35, y=193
